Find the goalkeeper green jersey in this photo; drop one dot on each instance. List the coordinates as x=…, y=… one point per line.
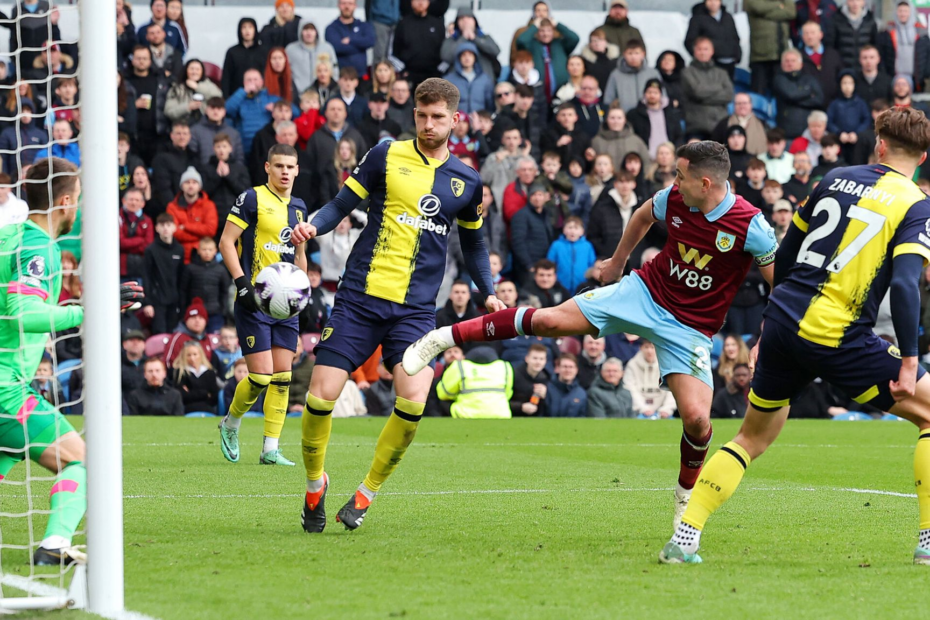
x=30, y=282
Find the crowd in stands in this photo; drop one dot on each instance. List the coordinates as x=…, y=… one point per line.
x=571, y=133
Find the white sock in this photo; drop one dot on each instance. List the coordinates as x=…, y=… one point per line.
x=366, y=491
x=231, y=421
x=271, y=443
x=924, y=540
x=687, y=537
x=445, y=336
x=55, y=542
x=681, y=491
x=314, y=486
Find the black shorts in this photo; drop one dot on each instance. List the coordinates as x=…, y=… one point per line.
x=259, y=332
x=787, y=363
x=360, y=322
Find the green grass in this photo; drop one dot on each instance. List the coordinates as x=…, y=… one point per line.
x=519, y=519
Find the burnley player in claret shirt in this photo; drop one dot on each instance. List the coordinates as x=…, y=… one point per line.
x=677, y=301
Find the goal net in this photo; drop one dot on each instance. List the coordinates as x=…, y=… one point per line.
x=38, y=119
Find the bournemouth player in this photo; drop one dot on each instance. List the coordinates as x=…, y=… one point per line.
x=417, y=192
x=864, y=230
x=30, y=272
x=677, y=301
x=257, y=234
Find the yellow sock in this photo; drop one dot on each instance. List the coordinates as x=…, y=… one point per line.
x=276, y=403
x=393, y=441
x=719, y=479
x=316, y=425
x=247, y=392
x=922, y=478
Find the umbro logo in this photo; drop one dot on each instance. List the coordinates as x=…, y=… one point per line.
x=404, y=171
x=676, y=222
x=490, y=330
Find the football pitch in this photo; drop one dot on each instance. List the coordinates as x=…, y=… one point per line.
x=514, y=519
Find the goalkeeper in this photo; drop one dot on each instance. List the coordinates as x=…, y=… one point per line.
x=30, y=281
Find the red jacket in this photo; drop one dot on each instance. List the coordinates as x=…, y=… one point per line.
x=176, y=345
x=135, y=234
x=307, y=123
x=194, y=222
x=514, y=200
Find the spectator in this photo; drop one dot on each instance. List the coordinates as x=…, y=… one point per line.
x=322, y=145
x=170, y=163
x=249, y=108
x=871, y=82
x=310, y=118
x=540, y=12
x=249, y=53
x=902, y=87
x=854, y=27
x=141, y=181
x=465, y=29
x=530, y=383
x=495, y=233
x=313, y=317
x=781, y=219
x=475, y=86
x=820, y=12
x=591, y=359
x=904, y=46
x=531, y=232
x=730, y=401
x=642, y=378
x=226, y=354
x=281, y=30
x=772, y=193
x=384, y=16
x=325, y=84
x=587, y=103
x=125, y=34
x=352, y=38
x=488, y=379
x=736, y=148
x=600, y=57
x=528, y=113
x=132, y=359
x=666, y=163
x=550, y=55
x=798, y=186
x=735, y=352
x=670, y=65
x=400, y=108
x=278, y=80
x=196, y=380
x=240, y=372
x=382, y=79
x=186, y=98
x=165, y=58
x=779, y=164
x=13, y=210
x=706, y=90
x=865, y=142
x=566, y=398
x=152, y=93
x=205, y=131
x=607, y=397
x=356, y=105
x=617, y=26
x=334, y=253
x=172, y=32
x=611, y=213
x=125, y=106
x=65, y=101
x=193, y=212
x=820, y=62
x=208, y=280
x=565, y=136
x=20, y=145
x=507, y=293
x=567, y=92
x=796, y=94
x=848, y=115
x=155, y=397
x=380, y=396
x=136, y=232
x=500, y=169
x=545, y=291
x=63, y=145
x=302, y=55
x=46, y=383
x=265, y=138
x=829, y=156
x=769, y=22
x=463, y=143
x=458, y=307
x=572, y=254
x=810, y=140
x=744, y=116
x=418, y=41
x=654, y=120
x=176, y=14
x=164, y=264
x=516, y=195
x=616, y=137
x=302, y=369
x=194, y=328
x=628, y=81
x=710, y=19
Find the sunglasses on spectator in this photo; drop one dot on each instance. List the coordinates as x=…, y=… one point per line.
x=505, y=93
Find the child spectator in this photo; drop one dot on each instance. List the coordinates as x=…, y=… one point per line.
x=782, y=213
x=779, y=165
x=751, y=185
x=62, y=145
x=848, y=114
x=225, y=355
x=65, y=101
x=560, y=185
x=545, y=291
x=46, y=383
x=566, y=398
x=136, y=232
x=127, y=163
x=771, y=194
x=829, y=156
x=164, y=263
x=565, y=137
x=240, y=371
x=310, y=118
x=607, y=397
x=224, y=179
x=196, y=380
x=155, y=397
x=642, y=378
x=208, y=280
x=572, y=254
x=194, y=328
x=193, y=212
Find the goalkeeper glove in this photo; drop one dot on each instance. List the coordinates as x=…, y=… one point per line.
x=245, y=294
x=130, y=297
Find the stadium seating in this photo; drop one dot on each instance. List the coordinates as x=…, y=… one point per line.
x=569, y=345
x=199, y=414
x=309, y=341
x=155, y=345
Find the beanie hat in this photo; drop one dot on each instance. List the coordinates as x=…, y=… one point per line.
x=191, y=173
x=196, y=309
x=280, y=2
x=906, y=78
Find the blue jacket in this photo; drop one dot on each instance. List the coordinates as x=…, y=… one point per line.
x=385, y=12
x=477, y=94
x=71, y=152
x=566, y=400
x=248, y=114
x=361, y=37
x=531, y=233
x=29, y=136
x=572, y=259
x=845, y=115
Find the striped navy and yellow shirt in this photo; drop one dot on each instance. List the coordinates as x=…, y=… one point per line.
x=267, y=222
x=415, y=200
x=856, y=222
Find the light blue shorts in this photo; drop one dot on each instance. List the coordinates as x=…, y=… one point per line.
x=627, y=307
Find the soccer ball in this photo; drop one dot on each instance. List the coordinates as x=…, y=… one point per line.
x=282, y=290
